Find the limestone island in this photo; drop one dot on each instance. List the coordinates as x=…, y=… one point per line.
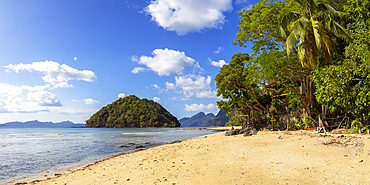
x=131, y=111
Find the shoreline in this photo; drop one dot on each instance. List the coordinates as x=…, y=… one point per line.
x=269, y=157
x=85, y=162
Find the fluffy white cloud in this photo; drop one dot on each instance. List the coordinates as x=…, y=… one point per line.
x=170, y=86
x=18, y=105
x=220, y=63
x=7, y=90
x=166, y=61
x=193, y=85
x=137, y=70
x=15, y=99
x=157, y=99
x=200, y=107
x=90, y=101
x=121, y=95
x=55, y=74
x=35, y=88
x=44, y=98
x=190, y=15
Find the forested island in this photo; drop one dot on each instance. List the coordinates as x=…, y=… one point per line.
x=131, y=111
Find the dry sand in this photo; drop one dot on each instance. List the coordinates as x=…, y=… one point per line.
x=299, y=157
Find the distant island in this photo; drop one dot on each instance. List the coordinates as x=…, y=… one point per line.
x=202, y=119
x=220, y=120
x=197, y=120
x=38, y=124
x=131, y=111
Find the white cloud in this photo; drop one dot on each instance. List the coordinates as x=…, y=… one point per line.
x=193, y=85
x=9, y=90
x=137, y=70
x=218, y=50
x=18, y=105
x=134, y=58
x=220, y=63
x=170, y=86
x=35, y=88
x=190, y=15
x=195, y=107
x=44, y=98
x=55, y=74
x=75, y=58
x=90, y=101
x=166, y=61
x=14, y=99
x=121, y=95
x=157, y=99
x=157, y=87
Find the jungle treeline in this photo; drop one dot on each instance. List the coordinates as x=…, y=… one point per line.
x=309, y=58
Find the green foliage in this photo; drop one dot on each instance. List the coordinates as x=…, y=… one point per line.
x=306, y=55
x=132, y=111
x=298, y=125
x=242, y=84
x=310, y=31
x=235, y=120
x=260, y=25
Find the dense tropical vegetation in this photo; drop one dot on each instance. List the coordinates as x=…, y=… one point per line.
x=132, y=111
x=310, y=60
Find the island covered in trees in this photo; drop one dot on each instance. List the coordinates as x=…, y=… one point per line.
x=131, y=111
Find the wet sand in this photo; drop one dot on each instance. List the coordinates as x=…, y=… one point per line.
x=299, y=157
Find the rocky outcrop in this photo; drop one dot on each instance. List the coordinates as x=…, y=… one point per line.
x=246, y=131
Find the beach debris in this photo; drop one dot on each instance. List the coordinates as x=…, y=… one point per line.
x=127, y=145
x=140, y=146
x=178, y=141
x=361, y=161
x=344, y=142
x=246, y=131
x=279, y=137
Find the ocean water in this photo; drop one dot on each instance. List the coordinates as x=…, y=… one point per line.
x=25, y=152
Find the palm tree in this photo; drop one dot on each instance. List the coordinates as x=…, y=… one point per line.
x=310, y=31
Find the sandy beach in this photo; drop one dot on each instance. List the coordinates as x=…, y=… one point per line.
x=299, y=157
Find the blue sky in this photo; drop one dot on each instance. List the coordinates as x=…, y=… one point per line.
x=64, y=60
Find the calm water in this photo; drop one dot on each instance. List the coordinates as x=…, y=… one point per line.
x=30, y=151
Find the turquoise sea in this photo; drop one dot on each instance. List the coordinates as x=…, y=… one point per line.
x=25, y=153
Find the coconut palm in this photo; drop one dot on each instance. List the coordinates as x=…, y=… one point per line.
x=310, y=31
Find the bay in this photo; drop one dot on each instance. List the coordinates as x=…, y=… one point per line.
x=26, y=152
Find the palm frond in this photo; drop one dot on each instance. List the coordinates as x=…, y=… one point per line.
x=288, y=19
x=291, y=41
x=325, y=40
x=338, y=30
x=316, y=31
x=301, y=51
